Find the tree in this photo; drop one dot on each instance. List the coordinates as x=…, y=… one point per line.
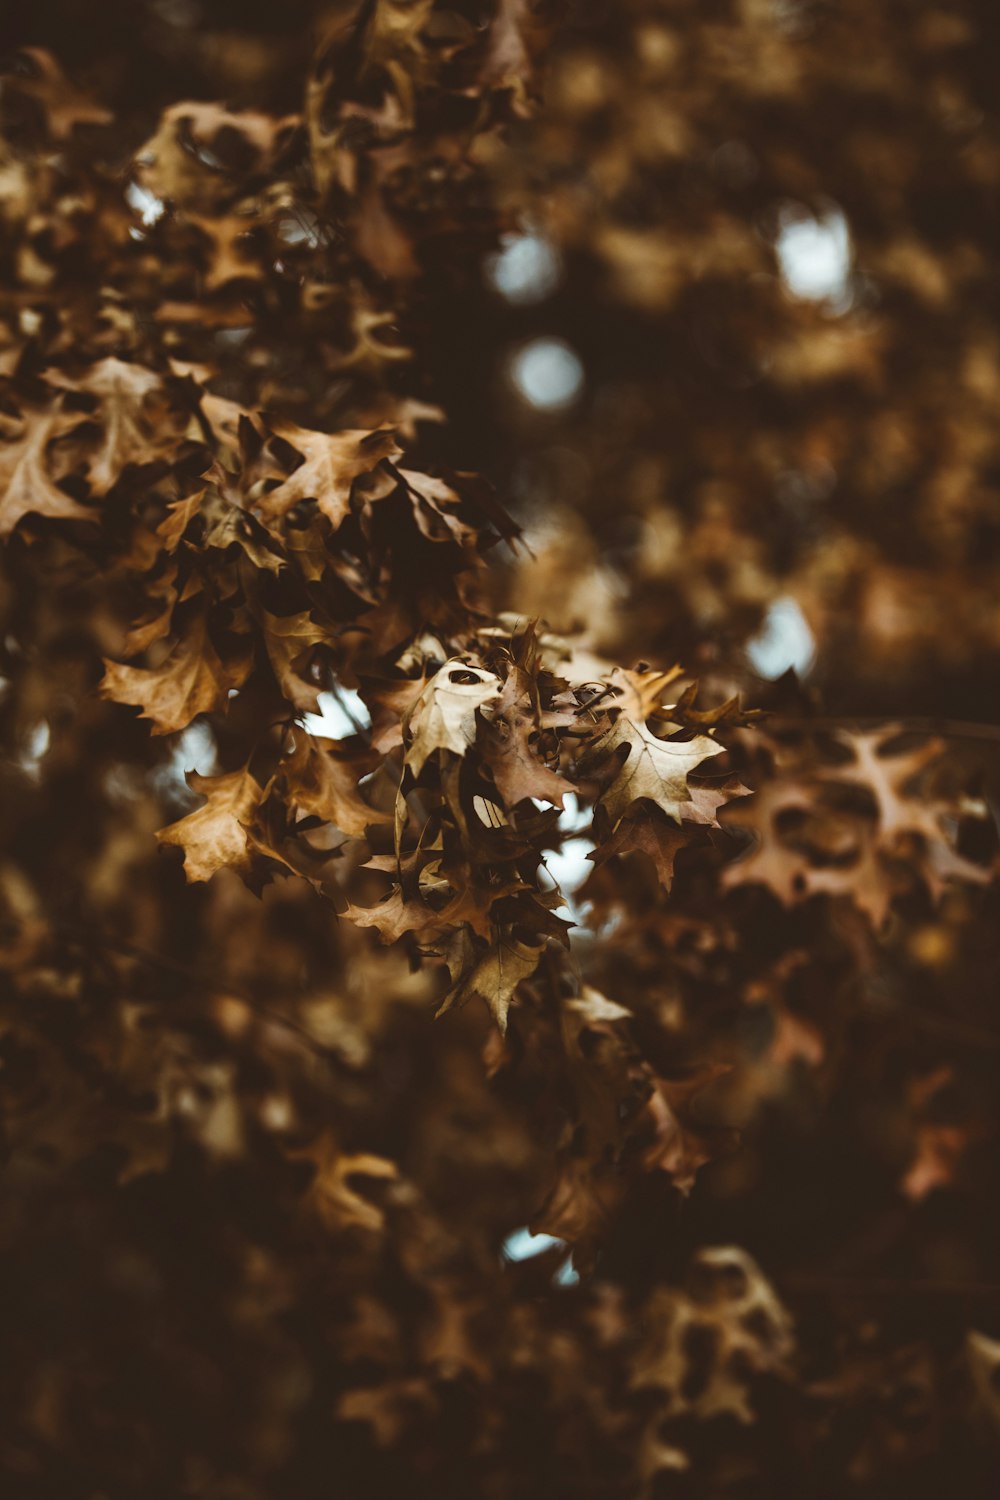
x=351, y=612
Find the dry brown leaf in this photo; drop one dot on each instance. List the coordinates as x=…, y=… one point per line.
x=290, y=641
x=134, y=430
x=331, y=462
x=654, y=769
x=214, y=837
x=494, y=974
x=192, y=680
x=322, y=780
x=507, y=744
x=444, y=716
x=680, y=1146
x=26, y=483
x=646, y=831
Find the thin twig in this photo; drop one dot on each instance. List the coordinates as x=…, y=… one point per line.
x=958, y=729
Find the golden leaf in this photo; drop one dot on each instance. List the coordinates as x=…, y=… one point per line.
x=214, y=837
x=653, y=768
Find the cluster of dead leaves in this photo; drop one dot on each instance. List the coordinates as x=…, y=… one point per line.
x=854, y=820
x=216, y=474
x=479, y=752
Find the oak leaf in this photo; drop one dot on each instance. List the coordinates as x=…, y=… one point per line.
x=434, y=507
x=885, y=776
x=493, y=975
x=645, y=830
x=769, y=862
x=440, y=904
x=600, y=1059
x=26, y=483
x=133, y=430
x=177, y=519
x=680, y=1146
x=227, y=523
x=322, y=779
x=161, y=595
x=395, y=915
x=444, y=716
x=214, y=837
x=192, y=680
x=508, y=744
x=331, y=462
x=289, y=641
x=640, y=690
x=902, y=815
x=654, y=769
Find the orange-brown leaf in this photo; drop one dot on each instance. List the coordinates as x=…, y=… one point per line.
x=214, y=837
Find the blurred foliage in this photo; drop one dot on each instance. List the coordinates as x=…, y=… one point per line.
x=444, y=424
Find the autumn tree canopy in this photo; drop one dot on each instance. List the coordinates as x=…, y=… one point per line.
x=500, y=673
